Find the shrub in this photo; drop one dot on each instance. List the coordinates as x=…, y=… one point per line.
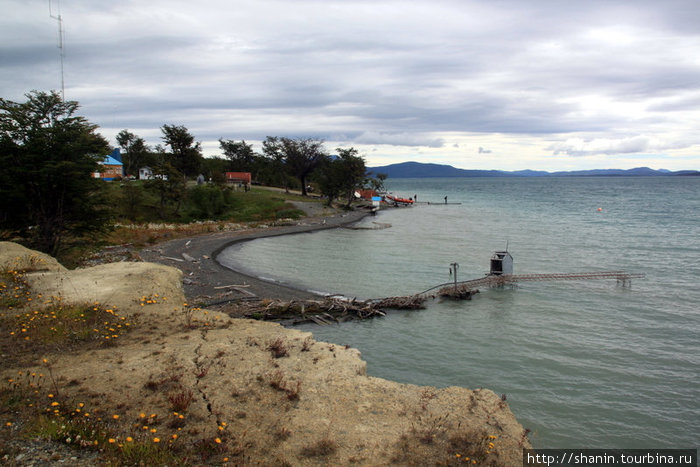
x=180, y=401
x=278, y=348
x=207, y=201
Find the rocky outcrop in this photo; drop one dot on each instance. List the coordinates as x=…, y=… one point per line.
x=254, y=392
x=14, y=256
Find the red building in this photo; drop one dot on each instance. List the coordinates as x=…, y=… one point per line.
x=367, y=194
x=238, y=177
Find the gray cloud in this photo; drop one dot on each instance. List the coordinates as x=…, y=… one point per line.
x=398, y=139
x=380, y=72
x=624, y=145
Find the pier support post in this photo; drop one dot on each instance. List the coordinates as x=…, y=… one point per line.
x=453, y=269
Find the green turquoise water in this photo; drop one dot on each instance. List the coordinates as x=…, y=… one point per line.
x=585, y=364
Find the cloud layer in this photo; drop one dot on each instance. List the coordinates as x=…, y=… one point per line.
x=534, y=82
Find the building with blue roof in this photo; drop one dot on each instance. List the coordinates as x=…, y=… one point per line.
x=113, y=168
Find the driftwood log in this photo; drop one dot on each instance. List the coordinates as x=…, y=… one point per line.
x=325, y=311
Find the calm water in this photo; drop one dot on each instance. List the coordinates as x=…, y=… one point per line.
x=584, y=364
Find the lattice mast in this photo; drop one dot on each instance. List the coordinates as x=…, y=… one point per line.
x=59, y=20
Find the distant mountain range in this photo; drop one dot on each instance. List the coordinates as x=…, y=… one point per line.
x=420, y=170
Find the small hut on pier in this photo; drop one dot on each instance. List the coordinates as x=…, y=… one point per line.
x=501, y=264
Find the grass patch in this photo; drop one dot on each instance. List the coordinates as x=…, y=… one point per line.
x=138, y=204
x=74, y=426
x=436, y=442
x=35, y=405
x=148, y=453
x=255, y=206
x=14, y=290
x=29, y=328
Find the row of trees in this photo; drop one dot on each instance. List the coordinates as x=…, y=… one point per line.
x=284, y=162
x=48, y=154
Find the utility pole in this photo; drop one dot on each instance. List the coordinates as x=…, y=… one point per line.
x=453, y=269
x=59, y=19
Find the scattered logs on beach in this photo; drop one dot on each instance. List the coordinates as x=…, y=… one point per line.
x=326, y=311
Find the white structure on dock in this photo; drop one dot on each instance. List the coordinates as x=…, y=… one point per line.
x=501, y=264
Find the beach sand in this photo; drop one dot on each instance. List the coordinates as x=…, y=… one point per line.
x=208, y=283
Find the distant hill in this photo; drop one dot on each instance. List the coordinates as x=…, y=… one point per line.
x=421, y=170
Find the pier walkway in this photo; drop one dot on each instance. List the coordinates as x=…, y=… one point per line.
x=464, y=289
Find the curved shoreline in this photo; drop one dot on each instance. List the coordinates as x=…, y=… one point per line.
x=208, y=282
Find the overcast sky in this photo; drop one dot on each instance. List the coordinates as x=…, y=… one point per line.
x=487, y=84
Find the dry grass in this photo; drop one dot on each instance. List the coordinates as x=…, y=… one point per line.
x=321, y=448
x=435, y=441
x=180, y=401
x=53, y=326
x=278, y=348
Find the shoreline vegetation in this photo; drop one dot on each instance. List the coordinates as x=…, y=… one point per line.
x=165, y=382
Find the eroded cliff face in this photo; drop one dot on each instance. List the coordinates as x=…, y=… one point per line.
x=243, y=392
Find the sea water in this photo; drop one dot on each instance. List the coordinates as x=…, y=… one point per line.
x=585, y=364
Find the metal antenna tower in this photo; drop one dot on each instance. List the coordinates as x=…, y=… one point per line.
x=59, y=19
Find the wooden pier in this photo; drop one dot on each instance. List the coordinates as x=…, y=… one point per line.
x=330, y=310
x=465, y=289
x=340, y=309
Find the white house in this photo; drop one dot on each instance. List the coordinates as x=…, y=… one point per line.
x=146, y=173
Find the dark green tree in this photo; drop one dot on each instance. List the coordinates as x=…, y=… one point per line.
x=48, y=156
x=271, y=168
x=131, y=200
x=168, y=185
x=135, y=151
x=377, y=182
x=300, y=156
x=342, y=175
x=240, y=153
x=185, y=154
x=214, y=168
